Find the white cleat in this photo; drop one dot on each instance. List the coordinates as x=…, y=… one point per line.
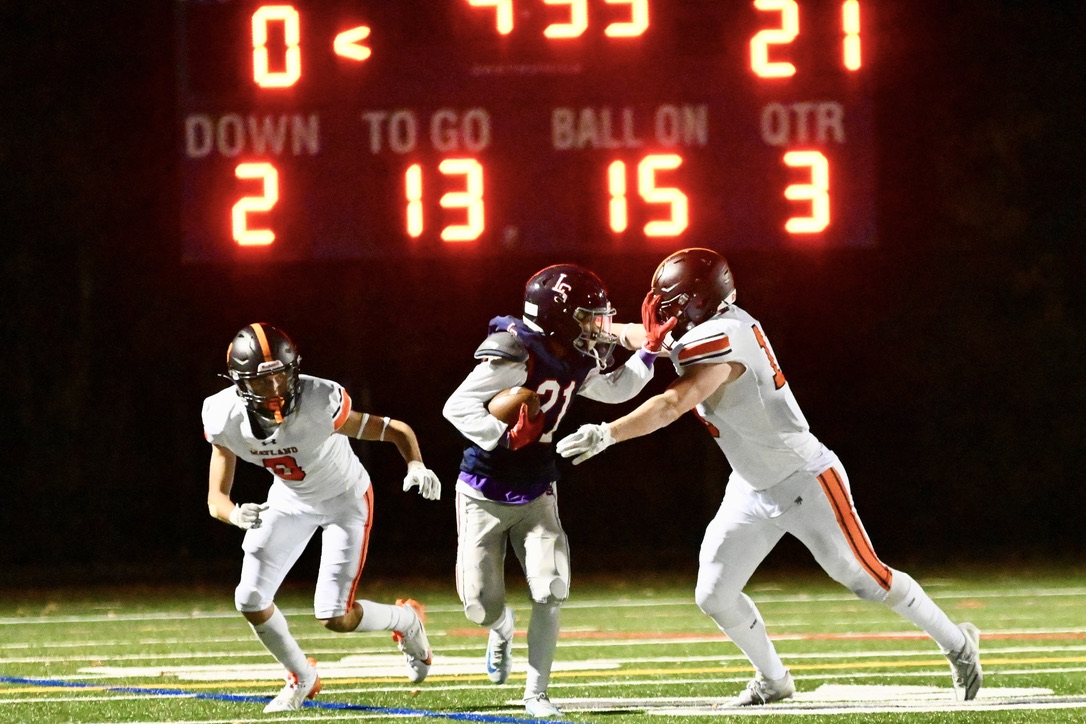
x=499, y=655
x=965, y=664
x=292, y=696
x=413, y=643
x=541, y=707
x=761, y=690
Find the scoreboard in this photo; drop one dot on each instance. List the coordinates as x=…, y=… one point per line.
x=330, y=130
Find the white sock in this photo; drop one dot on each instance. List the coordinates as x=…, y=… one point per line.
x=383, y=617
x=752, y=639
x=275, y=635
x=504, y=625
x=916, y=606
x=542, y=641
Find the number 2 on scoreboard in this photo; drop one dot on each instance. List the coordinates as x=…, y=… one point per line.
x=239, y=216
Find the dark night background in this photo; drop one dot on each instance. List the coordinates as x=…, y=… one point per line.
x=944, y=365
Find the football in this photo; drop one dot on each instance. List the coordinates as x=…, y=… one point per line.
x=506, y=404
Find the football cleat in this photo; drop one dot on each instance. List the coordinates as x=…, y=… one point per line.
x=413, y=643
x=292, y=696
x=965, y=664
x=499, y=654
x=541, y=707
x=761, y=690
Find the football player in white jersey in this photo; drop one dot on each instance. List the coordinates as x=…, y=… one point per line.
x=297, y=427
x=783, y=479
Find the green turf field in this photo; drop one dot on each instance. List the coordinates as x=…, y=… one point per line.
x=631, y=652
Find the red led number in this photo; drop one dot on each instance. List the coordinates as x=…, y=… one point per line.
x=289, y=63
x=677, y=204
x=816, y=192
x=763, y=42
x=850, y=24
x=239, y=217
x=576, y=17
x=469, y=200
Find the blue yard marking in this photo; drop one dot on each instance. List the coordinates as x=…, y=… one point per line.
x=486, y=718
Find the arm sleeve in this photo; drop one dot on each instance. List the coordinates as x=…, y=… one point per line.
x=621, y=384
x=212, y=419
x=466, y=407
x=343, y=411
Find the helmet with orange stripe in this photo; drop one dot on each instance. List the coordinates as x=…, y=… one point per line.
x=693, y=285
x=263, y=362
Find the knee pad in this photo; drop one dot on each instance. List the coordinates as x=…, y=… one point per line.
x=549, y=590
x=483, y=613
x=850, y=574
x=725, y=611
x=249, y=600
x=707, y=600
x=901, y=587
x=475, y=612
x=716, y=594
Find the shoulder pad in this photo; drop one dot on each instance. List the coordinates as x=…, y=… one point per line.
x=504, y=346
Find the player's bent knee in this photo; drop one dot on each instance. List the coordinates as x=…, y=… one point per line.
x=901, y=588
x=556, y=592
x=715, y=602
x=549, y=589
x=870, y=593
x=482, y=614
x=250, y=601
x=338, y=624
x=856, y=579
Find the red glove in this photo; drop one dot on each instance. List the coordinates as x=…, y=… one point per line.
x=526, y=431
x=655, y=331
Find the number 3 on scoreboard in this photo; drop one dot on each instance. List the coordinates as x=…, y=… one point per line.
x=817, y=192
x=243, y=235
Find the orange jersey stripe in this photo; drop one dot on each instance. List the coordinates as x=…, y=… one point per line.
x=344, y=411
x=368, y=501
x=838, y=496
x=709, y=347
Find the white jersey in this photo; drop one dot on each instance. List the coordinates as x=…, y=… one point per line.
x=755, y=419
x=303, y=454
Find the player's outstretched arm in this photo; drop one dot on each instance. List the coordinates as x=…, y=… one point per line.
x=649, y=335
x=654, y=413
x=630, y=335
x=374, y=427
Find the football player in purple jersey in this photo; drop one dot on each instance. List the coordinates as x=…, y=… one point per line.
x=506, y=493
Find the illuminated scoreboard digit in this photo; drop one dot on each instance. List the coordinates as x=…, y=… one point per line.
x=318, y=129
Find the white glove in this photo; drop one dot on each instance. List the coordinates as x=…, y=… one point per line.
x=418, y=474
x=247, y=515
x=589, y=440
